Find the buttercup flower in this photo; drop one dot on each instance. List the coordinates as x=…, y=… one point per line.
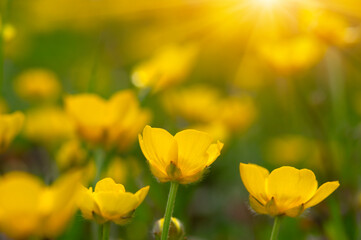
x=284, y=191
x=292, y=55
x=292, y=149
x=70, y=154
x=168, y=67
x=10, y=126
x=48, y=125
x=29, y=208
x=37, y=85
x=115, y=122
x=110, y=202
x=182, y=158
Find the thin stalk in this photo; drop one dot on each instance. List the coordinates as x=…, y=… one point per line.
x=276, y=228
x=3, y=21
x=99, y=157
x=106, y=230
x=169, y=209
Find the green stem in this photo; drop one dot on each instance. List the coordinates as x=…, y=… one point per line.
x=2, y=24
x=276, y=228
x=99, y=157
x=169, y=209
x=106, y=228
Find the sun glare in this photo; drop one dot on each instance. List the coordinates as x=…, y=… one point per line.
x=267, y=3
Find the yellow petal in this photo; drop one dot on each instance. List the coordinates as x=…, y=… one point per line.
x=108, y=184
x=291, y=187
x=158, y=146
x=254, y=179
x=114, y=205
x=214, y=151
x=192, y=150
x=86, y=202
x=159, y=174
x=256, y=205
x=323, y=192
x=296, y=211
x=19, y=204
x=141, y=194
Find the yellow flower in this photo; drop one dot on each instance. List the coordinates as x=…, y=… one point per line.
x=9, y=32
x=117, y=170
x=292, y=55
x=29, y=208
x=70, y=154
x=182, y=158
x=330, y=27
x=292, y=149
x=10, y=126
x=284, y=191
x=168, y=67
x=115, y=122
x=237, y=113
x=37, y=85
x=48, y=125
x=110, y=202
x=199, y=103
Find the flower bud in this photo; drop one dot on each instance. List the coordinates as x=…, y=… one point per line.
x=176, y=229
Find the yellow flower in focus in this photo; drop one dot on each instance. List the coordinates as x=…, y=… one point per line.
x=292, y=55
x=37, y=85
x=115, y=122
x=330, y=27
x=10, y=126
x=182, y=158
x=284, y=191
x=70, y=154
x=48, y=125
x=29, y=208
x=168, y=67
x=110, y=202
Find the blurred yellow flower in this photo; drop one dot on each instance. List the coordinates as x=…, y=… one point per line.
x=251, y=74
x=292, y=149
x=216, y=129
x=292, y=55
x=48, y=125
x=198, y=103
x=237, y=113
x=176, y=229
x=182, y=158
x=117, y=170
x=168, y=67
x=284, y=191
x=10, y=126
x=70, y=154
x=110, y=202
x=37, y=85
x=330, y=27
x=9, y=32
x=29, y=208
x=115, y=122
